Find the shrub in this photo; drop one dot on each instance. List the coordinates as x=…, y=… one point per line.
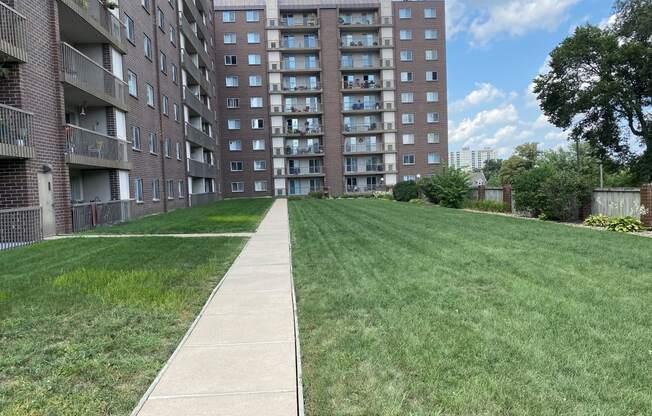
x=448, y=189
x=488, y=206
x=295, y=198
x=316, y=195
x=597, y=221
x=405, y=191
x=625, y=225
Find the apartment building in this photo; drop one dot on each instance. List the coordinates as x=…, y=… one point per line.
x=106, y=109
x=468, y=159
x=346, y=97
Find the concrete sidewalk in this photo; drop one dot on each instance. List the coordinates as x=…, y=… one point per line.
x=240, y=356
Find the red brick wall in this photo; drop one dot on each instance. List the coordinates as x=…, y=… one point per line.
x=646, y=201
x=507, y=197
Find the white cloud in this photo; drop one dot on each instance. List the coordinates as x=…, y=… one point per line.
x=484, y=93
x=469, y=128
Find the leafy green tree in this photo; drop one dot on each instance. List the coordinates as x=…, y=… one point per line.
x=449, y=189
x=599, y=87
x=491, y=169
x=525, y=158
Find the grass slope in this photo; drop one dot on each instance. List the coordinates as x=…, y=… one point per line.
x=237, y=215
x=419, y=310
x=85, y=325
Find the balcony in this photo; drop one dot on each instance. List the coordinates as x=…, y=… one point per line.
x=296, y=89
x=378, y=128
x=294, y=46
x=366, y=188
x=198, y=137
x=89, y=21
x=13, y=35
x=92, y=149
x=306, y=171
x=385, y=63
x=190, y=67
x=196, y=17
x=303, y=189
x=194, y=45
x=295, y=110
x=195, y=104
x=200, y=169
x=294, y=67
x=309, y=22
x=363, y=22
x=91, y=83
x=360, y=85
x=363, y=108
x=298, y=132
x=369, y=168
x=16, y=133
x=299, y=151
x=362, y=44
x=368, y=148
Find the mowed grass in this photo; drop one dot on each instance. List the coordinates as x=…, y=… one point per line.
x=420, y=310
x=86, y=324
x=236, y=215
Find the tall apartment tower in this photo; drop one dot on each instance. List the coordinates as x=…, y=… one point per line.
x=347, y=97
x=471, y=159
x=106, y=108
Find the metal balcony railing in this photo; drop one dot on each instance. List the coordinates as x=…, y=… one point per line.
x=16, y=132
x=13, y=34
x=297, y=108
x=87, y=75
x=366, y=127
x=308, y=21
x=369, y=168
x=294, y=66
x=380, y=63
x=20, y=227
x=96, y=13
x=304, y=131
x=354, y=189
x=294, y=44
x=93, y=145
x=364, y=42
x=363, y=147
x=294, y=88
x=303, y=189
x=299, y=150
x=97, y=214
x=300, y=171
x=363, y=20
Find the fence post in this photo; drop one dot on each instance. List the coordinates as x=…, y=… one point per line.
x=507, y=197
x=482, y=192
x=646, y=202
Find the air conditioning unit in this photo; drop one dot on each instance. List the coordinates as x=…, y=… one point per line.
x=388, y=84
x=277, y=130
x=279, y=172
x=276, y=109
x=389, y=106
x=272, y=45
x=388, y=42
x=274, y=66
x=275, y=87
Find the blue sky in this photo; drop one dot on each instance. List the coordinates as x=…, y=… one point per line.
x=495, y=49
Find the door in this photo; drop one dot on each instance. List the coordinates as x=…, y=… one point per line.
x=46, y=199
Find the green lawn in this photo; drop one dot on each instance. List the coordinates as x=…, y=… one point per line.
x=236, y=215
x=420, y=310
x=85, y=325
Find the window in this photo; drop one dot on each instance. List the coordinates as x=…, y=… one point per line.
x=180, y=188
x=228, y=17
x=237, y=166
x=253, y=37
x=229, y=38
x=255, y=80
x=407, y=97
x=147, y=46
x=173, y=35
x=237, y=186
x=433, y=158
x=174, y=72
x=232, y=81
x=260, y=165
x=232, y=103
x=254, y=59
x=260, y=186
x=130, y=29
x=132, y=80
x=138, y=190
x=150, y=95
x=408, y=159
x=233, y=124
x=432, y=96
x=433, y=138
x=177, y=114
x=409, y=178
x=152, y=143
x=161, y=19
x=146, y=4
x=235, y=145
x=406, y=77
x=408, y=138
x=170, y=189
x=405, y=13
x=256, y=102
x=407, y=118
x=431, y=34
x=163, y=63
x=432, y=55
x=258, y=144
x=252, y=15
x=167, y=149
x=165, y=105
x=257, y=123
x=156, y=190
x=135, y=138
x=230, y=60
x=406, y=55
x=432, y=118
x=405, y=35
x=429, y=13
x=178, y=146
x=432, y=76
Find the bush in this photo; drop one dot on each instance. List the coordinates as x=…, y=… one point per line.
x=295, y=198
x=405, y=191
x=448, y=189
x=316, y=195
x=625, y=225
x=487, y=206
x=597, y=221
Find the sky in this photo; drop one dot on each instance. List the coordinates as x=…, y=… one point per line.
x=495, y=49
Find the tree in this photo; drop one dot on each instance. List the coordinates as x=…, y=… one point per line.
x=491, y=169
x=599, y=87
x=449, y=189
x=524, y=159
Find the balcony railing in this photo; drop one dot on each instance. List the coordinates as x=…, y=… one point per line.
x=295, y=109
x=16, y=133
x=97, y=14
x=295, y=88
x=87, y=147
x=195, y=44
x=82, y=72
x=305, y=131
x=308, y=21
x=293, y=66
x=195, y=103
x=299, y=151
x=363, y=147
x=380, y=63
x=195, y=135
x=20, y=227
x=303, y=190
x=295, y=44
x=377, y=106
x=347, y=20
x=369, y=168
x=366, y=127
x=200, y=169
x=97, y=214
x=367, y=85
x=305, y=171
x=190, y=66
x=13, y=34
x=354, y=189
x=352, y=43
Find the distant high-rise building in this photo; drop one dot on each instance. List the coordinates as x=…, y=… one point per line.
x=471, y=159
